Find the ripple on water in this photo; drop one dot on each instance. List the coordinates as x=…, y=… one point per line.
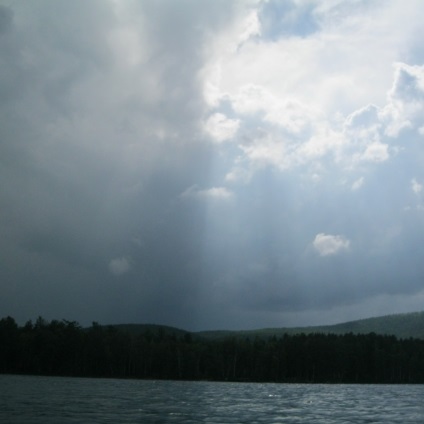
x=44, y=400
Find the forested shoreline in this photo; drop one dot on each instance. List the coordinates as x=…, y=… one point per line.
x=64, y=348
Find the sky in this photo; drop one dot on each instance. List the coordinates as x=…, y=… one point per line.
x=211, y=164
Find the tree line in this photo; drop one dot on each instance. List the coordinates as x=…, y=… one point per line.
x=65, y=348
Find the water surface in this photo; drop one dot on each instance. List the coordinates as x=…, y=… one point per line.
x=41, y=400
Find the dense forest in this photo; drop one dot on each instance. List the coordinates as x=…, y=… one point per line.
x=65, y=348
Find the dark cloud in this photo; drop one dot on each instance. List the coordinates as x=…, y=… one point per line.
x=89, y=178
x=6, y=19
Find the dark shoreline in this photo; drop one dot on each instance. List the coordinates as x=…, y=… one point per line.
x=63, y=348
x=209, y=381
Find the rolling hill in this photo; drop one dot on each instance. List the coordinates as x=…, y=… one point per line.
x=399, y=325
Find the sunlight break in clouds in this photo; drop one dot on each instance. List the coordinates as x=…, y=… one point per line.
x=327, y=244
x=313, y=81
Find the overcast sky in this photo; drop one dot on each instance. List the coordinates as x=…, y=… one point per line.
x=211, y=164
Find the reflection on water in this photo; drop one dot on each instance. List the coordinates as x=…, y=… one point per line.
x=33, y=400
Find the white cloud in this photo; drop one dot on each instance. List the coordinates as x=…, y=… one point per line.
x=327, y=244
x=251, y=98
x=292, y=115
x=405, y=107
x=328, y=70
x=221, y=128
x=119, y=266
x=238, y=174
x=211, y=193
x=225, y=45
x=376, y=152
x=267, y=150
x=416, y=186
x=363, y=118
x=408, y=83
x=292, y=134
x=289, y=114
x=249, y=27
x=363, y=126
x=217, y=192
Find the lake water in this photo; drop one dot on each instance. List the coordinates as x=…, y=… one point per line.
x=43, y=400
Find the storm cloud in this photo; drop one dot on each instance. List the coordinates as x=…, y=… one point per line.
x=211, y=164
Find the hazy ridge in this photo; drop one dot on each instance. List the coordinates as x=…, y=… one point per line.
x=400, y=325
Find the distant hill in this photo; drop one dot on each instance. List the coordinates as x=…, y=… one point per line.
x=135, y=329
x=399, y=325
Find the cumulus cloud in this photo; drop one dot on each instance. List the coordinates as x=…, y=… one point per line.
x=376, y=152
x=294, y=128
x=292, y=134
x=327, y=244
x=221, y=128
x=405, y=99
x=363, y=118
x=416, y=186
x=119, y=266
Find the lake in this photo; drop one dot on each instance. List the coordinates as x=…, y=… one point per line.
x=42, y=400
